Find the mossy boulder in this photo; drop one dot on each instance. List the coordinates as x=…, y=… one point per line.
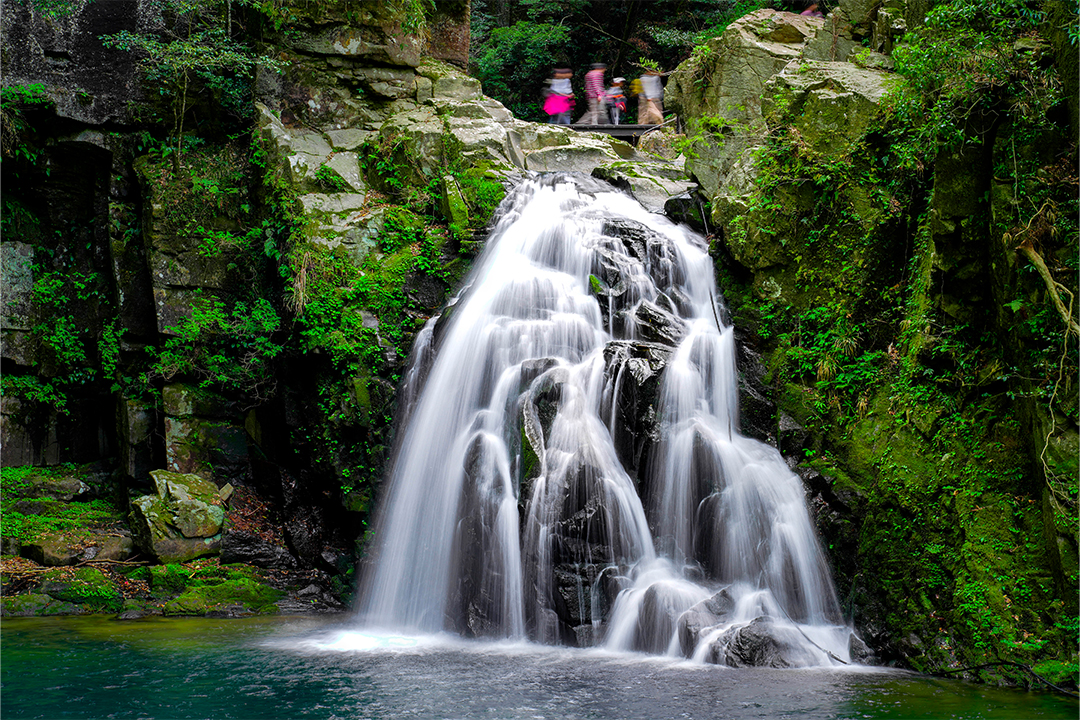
x=56, y=549
x=236, y=596
x=830, y=104
x=38, y=605
x=182, y=521
x=87, y=587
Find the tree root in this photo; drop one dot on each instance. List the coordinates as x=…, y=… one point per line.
x=1052, y=286
x=1042, y=224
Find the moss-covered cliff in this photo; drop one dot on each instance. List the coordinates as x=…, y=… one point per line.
x=895, y=223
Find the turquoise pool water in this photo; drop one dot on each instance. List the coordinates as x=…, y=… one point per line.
x=315, y=668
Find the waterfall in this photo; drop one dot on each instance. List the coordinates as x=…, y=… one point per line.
x=571, y=469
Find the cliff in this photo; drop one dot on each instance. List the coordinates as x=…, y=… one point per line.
x=900, y=248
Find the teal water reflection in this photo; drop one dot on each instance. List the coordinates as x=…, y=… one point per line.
x=314, y=668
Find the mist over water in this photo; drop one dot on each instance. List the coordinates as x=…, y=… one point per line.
x=571, y=470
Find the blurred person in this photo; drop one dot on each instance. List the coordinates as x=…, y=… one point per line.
x=616, y=100
x=595, y=94
x=652, y=89
x=559, y=97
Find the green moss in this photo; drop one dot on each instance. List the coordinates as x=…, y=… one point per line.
x=530, y=462
x=36, y=517
x=37, y=605
x=170, y=579
x=87, y=587
x=244, y=593
x=141, y=573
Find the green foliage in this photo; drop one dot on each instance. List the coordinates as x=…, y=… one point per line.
x=516, y=62
x=27, y=519
x=53, y=9
x=16, y=96
x=971, y=61
x=194, y=48
x=15, y=100
x=383, y=165
x=62, y=335
x=329, y=180
x=208, y=194
x=223, y=347
x=412, y=14
x=728, y=13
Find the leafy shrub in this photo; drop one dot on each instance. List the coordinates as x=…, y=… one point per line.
x=517, y=61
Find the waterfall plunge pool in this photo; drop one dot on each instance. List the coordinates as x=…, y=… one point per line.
x=281, y=667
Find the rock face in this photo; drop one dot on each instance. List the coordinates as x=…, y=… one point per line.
x=427, y=117
x=181, y=521
x=822, y=228
x=88, y=82
x=831, y=104
x=727, y=82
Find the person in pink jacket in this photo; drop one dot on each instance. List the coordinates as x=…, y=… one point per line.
x=559, y=97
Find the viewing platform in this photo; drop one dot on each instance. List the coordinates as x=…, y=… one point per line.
x=629, y=133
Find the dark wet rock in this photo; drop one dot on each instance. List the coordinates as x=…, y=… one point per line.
x=88, y=82
x=136, y=423
x=759, y=644
x=657, y=620
x=757, y=411
x=583, y=591
x=859, y=652
x=476, y=599
x=242, y=547
x=428, y=291
x=706, y=614
x=634, y=236
x=304, y=521
x=584, y=532
x=687, y=208
x=137, y=609
x=655, y=324
x=634, y=370
x=791, y=435
x=588, y=636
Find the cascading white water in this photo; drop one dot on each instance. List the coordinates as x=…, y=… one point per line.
x=583, y=368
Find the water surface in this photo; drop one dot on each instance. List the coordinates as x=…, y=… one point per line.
x=314, y=668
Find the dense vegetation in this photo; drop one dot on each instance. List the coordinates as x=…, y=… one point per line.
x=928, y=338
